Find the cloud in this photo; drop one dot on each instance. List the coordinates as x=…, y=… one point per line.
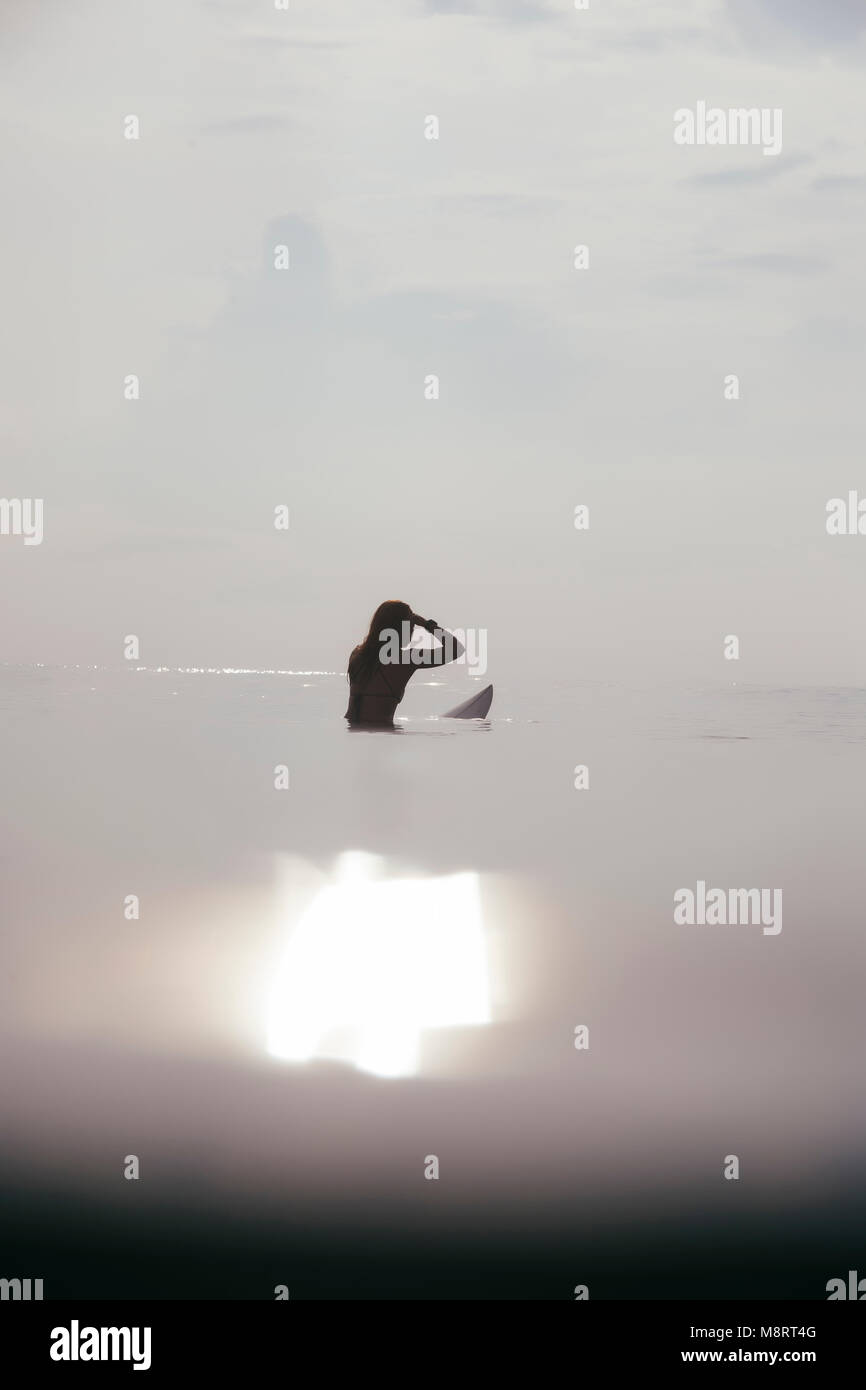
x=247, y=125
x=515, y=11
x=270, y=42
x=819, y=23
x=777, y=262
x=831, y=334
x=453, y=6
x=656, y=40
x=764, y=172
x=726, y=178
x=840, y=183
x=504, y=204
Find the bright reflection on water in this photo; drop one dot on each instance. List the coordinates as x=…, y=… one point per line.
x=373, y=962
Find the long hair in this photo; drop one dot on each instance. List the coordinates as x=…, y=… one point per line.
x=365, y=658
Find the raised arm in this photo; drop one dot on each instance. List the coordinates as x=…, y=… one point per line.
x=449, y=649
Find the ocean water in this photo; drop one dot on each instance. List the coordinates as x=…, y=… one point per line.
x=331, y=982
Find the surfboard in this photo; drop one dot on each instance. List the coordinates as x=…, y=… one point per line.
x=475, y=707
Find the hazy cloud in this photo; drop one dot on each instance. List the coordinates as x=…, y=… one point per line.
x=766, y=172
x=247, y=125
x=819, y=23
x=776, y=262
x=840, y=183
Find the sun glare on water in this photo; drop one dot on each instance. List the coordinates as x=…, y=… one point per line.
x=373, y=962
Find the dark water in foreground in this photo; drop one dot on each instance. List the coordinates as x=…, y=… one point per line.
x=328, y=984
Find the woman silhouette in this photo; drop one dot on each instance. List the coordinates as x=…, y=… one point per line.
x=382, y=665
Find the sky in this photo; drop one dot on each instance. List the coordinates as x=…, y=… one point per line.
x=408, y=256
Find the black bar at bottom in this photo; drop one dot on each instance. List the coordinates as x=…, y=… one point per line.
x=170, y=1339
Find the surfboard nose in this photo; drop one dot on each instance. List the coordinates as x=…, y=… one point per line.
x=475, y=707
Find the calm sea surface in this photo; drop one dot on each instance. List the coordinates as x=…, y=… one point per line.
x=389, y=957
